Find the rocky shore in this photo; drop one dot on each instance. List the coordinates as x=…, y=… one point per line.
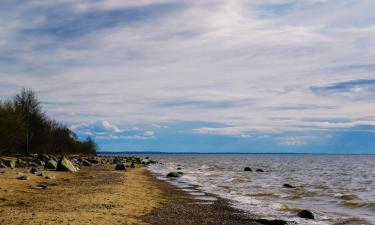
x=48, y=189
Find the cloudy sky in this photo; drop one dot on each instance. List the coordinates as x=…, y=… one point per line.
x=213, y=75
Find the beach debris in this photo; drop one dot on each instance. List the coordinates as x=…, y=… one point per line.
x=86, y=162
x=288, y=186
x=247, y=169
x=306, y=214
x=260, y=170
x=23, y=177
x=51, y=164
x=66, y=165
x=120, y=166
x=174, y=174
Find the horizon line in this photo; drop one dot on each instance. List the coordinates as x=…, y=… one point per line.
x=227, y=153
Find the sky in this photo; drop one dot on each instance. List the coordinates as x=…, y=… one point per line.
x=198, y=76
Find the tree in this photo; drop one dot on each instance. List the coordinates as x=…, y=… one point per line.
x=12, y=129
x=27, y=104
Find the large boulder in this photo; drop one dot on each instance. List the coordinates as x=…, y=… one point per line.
x=86, y=163
x=66, y=165
x=306, y=214
x=11, y=163
x=44, y=157
x=174, y=174
x=51, y=164
x=247, y=169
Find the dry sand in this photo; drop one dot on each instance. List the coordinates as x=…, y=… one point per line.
x=95, y=195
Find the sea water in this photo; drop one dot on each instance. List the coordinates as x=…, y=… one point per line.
x=336, y=188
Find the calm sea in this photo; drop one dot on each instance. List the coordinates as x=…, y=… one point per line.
x=334, y=187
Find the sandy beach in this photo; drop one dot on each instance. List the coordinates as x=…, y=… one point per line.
x=95, y=195
x=102, y=195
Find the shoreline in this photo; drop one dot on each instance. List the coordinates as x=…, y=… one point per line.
x=101, y=195
x=181, y=208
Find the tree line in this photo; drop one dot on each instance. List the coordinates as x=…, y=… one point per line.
x=25, y=129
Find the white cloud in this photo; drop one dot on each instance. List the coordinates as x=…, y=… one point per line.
x=230, y=62
x=97, y=127
x=148, y=133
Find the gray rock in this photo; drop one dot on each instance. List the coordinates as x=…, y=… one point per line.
x=50, y=177
x=94, y=161
x=271, y=222
x=66, y=165
x=86, y=163
x=306, y=214
x=44, y=157
x=51, y=164
x=34, y=170
x=39, y=186
x=23, y=177
x=11, y=163
x=260, y=170
x=288, y=186
x=174, y=174
x=247, y=169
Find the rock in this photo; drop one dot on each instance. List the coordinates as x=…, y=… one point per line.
x=306, y=214
x=34, y=170
x=86, y=163
x=271, y=222
x=23, y=177
x=173, y=174
x=288, y=186
x=247, y=169
x=39, y=186
x=120, y=167
x=179, y=168
x=51, y=164
x=260, y=170
x=50, y=177
x=44, y=157
x=42, y=163
x=94, y=161
x=11, y=163
x=181, y=173
x=65, y=165
x=32, y=164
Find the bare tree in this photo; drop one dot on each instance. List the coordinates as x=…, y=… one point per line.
x=27, y=104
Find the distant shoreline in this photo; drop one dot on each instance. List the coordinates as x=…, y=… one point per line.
x=229, y=153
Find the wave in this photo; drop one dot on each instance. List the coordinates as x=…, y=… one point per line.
x=351, y=204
